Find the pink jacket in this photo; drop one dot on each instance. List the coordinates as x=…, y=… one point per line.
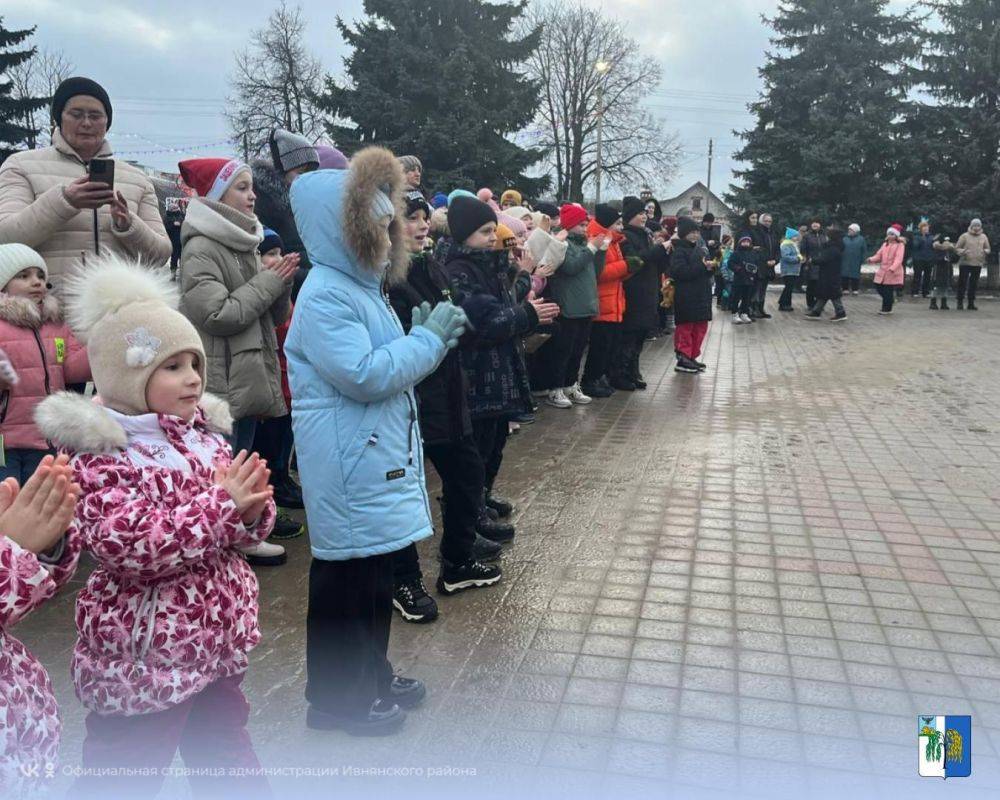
x=172, y=605
x=46, y=357
x=890, y=260
x=29, y=717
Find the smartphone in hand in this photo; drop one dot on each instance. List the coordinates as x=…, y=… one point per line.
x=102, y=170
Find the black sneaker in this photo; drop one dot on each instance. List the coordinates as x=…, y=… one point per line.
x=525, y=419
x=606, y=384
x=406, y=692
x=701, y=365
x=596, y=390
x=785, y=308
x=493, y=529
x=471, y=575
x=685, y=364
x=971, y=307
x=485, y=549
x=383, y=718
x=285, y=527
x=622, y=383
x=288, y=494
x=502, y=506
x=839, y=317
x=411, y=600
x=811, y=316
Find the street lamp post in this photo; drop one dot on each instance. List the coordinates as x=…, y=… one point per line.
x=601, y=68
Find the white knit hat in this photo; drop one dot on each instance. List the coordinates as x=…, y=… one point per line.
x=17, y=257
x=127, y=316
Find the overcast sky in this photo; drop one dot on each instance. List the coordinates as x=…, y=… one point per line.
x=165, y=66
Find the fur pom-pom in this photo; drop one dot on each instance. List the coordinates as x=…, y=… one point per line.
x=100, y=288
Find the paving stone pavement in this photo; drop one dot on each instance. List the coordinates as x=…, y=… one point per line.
x=741, y=584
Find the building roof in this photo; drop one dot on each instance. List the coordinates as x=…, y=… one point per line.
x=697, y=188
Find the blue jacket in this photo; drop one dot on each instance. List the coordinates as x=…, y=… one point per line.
x=923, y=248
x=855, y=252
x=352, y=370
x=790, y=261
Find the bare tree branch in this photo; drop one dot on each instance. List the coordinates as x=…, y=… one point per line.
x=274, y=82
x=38, y=77
x=635, y=148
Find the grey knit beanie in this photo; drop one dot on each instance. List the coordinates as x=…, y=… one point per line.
x=290, y=150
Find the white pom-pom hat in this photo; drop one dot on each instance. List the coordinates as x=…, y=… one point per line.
x=127, y=316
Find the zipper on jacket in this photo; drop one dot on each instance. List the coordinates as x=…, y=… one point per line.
x=413, y=423
x=45, y=365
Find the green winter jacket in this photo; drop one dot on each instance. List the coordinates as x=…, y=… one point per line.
x=574, y=284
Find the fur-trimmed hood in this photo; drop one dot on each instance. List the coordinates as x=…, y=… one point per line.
x=23, y=312
x=332, y=211
x=81, y=425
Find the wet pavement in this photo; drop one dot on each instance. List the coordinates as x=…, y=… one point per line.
x=740, y=584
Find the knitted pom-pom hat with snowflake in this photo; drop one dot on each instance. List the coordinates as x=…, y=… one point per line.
x=127, y=316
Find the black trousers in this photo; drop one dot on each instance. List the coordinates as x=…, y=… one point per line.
x=968, y=282
x=347, y=633
x=461, y=471
x=790, y=281
x=273, y=441
x=742, y=299
x=811, y=286
x=760, y=291
x=491, y=438
x=888, y=294
x=850, y=284
x=922, y=271
x=556, y=365
x=625, y=360
x=603, y=343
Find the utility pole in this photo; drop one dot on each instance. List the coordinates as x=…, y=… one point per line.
x=246, y=147
x=601, y=67
x=708, y=198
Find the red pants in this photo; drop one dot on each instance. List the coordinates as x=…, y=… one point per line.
x=209, y=729
x=688, y=337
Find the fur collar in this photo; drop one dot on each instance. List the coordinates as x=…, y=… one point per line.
x=82, y=425
x=23, y=313
x=371, y=169
x=222, y=224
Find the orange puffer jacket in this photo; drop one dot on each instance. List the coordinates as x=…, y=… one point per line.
x=610, y=293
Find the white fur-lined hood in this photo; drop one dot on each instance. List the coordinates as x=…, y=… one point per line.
x=82, y=425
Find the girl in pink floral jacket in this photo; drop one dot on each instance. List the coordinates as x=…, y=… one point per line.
x=36, y=558
x=167, y=620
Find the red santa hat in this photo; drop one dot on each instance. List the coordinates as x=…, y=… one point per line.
x=210, y=177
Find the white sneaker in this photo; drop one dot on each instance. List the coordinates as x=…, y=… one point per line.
x=854, y=291
x=737, y=320
x=745, y=318
x=557, y=399
x=264, y=554
x=575, y=395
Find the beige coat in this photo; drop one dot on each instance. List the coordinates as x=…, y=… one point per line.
x=235, y=305
x=972, y=249
x=33, y=210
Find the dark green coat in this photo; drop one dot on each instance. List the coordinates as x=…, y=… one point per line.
x=574, y=285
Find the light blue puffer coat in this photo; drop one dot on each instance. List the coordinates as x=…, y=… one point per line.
x=352, y=370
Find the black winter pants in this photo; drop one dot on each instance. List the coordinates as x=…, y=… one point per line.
x=461, y=471
x=811, y=286
x=968, y=282
x=347, y=633
x=850, y=284
x=625, y=363
x=491, y=438
x=888, y=294
x=922, y=271
x=790, y=281
x=603, y=343
x=556, y=365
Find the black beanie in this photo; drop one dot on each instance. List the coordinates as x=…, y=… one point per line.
x=605, y=215
x=686, y=225
x=466, y=215
x=71, y=87
x=550, y=210
x=631, y=206
x=709, y=218
x=415, y=201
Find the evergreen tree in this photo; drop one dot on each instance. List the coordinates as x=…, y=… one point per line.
x=440, y=81
x=956, y=139
x=13, y=112
x=826, y=140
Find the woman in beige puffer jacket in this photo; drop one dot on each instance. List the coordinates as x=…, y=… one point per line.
x=235, y=305
x=35, y=209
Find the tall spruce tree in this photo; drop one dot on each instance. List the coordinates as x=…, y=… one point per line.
x=13, y=112
x=826, y=140
x=440, y=81
x=956, y=138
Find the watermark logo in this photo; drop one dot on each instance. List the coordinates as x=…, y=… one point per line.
x=944, y=746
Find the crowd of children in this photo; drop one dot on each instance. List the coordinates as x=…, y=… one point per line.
x=421, y=329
